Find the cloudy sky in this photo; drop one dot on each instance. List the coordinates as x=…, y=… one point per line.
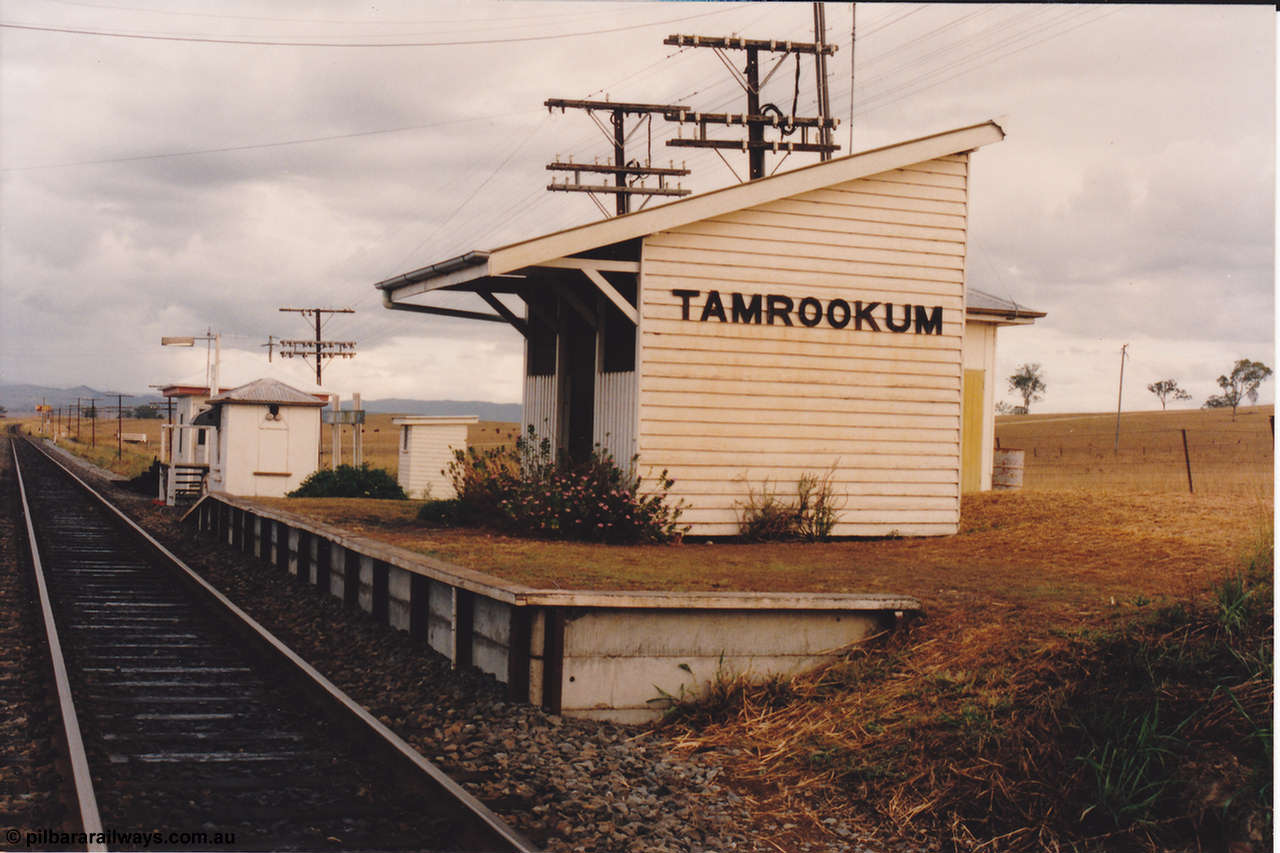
x=176, y=166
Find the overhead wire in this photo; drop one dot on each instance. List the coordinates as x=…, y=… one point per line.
x=251, y=146
x=506, y=18
x=333, y=44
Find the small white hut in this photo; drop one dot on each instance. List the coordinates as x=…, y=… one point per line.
x=268, y=438
x=427, y=444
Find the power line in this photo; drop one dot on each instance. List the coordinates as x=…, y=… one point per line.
x=252, y=146
x=274, y=43
x=273, y=19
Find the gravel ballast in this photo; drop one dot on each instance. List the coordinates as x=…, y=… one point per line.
x=568, y=785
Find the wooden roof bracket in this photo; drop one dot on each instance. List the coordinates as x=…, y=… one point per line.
x=593, y=269
x=504, y=312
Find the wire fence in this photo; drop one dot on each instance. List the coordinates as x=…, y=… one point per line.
x=1236, y=458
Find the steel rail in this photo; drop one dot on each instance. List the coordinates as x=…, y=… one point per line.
x=355, y=713
x=87, y=801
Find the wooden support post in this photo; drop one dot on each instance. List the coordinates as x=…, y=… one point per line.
x=334, y=428
x=324, y=562
x=302, y=569
x=246, y=530
x=350, y=578
x=419, y=606
x=380, y=594
x=553, y=660
x=518, y=643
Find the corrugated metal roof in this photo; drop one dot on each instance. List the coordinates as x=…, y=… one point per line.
x=268, y=391
x=981, y=302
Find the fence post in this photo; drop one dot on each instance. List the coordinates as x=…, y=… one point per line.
x=1186, y=454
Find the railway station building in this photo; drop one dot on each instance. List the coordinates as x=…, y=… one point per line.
x=813, y=322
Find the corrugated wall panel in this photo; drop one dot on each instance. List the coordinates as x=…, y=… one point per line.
x=730, y=406
x=614, y=424
x=540, y=407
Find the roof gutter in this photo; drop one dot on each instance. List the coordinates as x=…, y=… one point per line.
x=470, y=259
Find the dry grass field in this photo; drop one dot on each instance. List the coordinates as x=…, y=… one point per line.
x=97, y=442
x=382, y=437
x=1079, y=451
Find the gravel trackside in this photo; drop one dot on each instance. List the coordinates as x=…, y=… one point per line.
x=30, y=784
x=568, y=785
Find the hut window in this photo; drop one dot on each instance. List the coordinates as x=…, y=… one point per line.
x=619, y=332
x=404, y=439
x=273, y=412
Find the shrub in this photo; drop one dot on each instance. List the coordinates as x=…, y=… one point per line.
x=443, y=511
x=766, y=517
x=349, y=481
x=531, y=491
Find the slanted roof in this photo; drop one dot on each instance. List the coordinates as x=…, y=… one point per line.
x=982, y=305
x=482, y=269
x=179, y=390
x=267, y=392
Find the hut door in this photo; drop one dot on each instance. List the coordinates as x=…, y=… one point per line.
x=577, y=387
x=971, y=431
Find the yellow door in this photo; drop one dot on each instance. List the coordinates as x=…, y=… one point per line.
x=971, y=431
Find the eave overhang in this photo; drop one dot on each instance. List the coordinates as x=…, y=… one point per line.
x=1019, y=317
x=483, y=271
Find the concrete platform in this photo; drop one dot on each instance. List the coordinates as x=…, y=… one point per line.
x=616, y=655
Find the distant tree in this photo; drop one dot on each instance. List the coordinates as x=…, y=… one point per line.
x=1003, y=408
x=1029, y=382
x=148, y=411
x=1241, y=382
x=1167, y=389
x=3, y=411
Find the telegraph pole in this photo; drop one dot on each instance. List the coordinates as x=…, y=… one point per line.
x=624, y=170
x=853, y=67
x=319, y=349
x=1120, y=399
x=820, y=72
x=757, y=116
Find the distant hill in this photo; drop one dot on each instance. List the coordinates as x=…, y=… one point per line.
x=509, y=412
x=23, y=399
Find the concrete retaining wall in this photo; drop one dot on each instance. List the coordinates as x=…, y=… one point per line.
x=601, y=654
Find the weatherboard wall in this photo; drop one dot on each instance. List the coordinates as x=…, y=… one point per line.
x=732, y=406
x=427, y=446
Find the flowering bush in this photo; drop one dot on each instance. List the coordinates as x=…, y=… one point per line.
x=527, y=490
x=349, y=481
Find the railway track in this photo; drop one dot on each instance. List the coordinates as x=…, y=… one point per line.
x=188, y=726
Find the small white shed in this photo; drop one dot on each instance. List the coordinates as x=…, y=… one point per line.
x=984, y=313
x=268, y=438
x=426, y=449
